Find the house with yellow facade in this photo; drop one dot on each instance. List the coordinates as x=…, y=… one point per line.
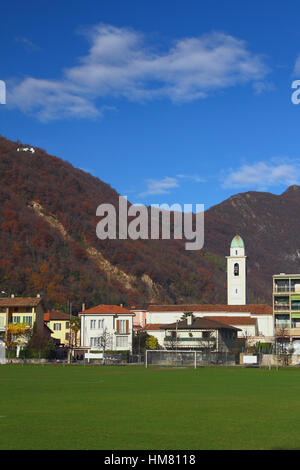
x=29, y=310
x=20, y=315
x=59, y=324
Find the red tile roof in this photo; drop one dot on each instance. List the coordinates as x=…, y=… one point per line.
x=153, y=326
x=199, y=323
x=238, y=321
x=20, y=301
x=107, y=310
x=139, y=307
x=254, y=309
x=49, y=316
x=235, y=320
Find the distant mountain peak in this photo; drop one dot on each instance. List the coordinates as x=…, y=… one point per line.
x=292, y=190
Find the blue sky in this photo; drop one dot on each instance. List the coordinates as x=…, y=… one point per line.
x=167, y=101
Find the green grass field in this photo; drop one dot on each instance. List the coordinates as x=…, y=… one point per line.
x=76, y=407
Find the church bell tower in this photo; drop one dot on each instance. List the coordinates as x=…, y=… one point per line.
x=237, y=289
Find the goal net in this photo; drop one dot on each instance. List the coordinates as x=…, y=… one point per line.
x=170, y=358
x=173, y=358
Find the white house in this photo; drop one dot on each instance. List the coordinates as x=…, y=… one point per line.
x=26, y=149
x=253, y=320
x=106, y=326
x=200, y=333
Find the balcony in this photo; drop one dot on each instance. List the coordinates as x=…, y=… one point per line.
x=287, y=331
x=195, y=342
x=281, y=308
x=285, y=289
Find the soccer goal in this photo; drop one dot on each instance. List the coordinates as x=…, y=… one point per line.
x=170, y=358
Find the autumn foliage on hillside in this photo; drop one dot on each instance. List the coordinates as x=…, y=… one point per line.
x=39, y=257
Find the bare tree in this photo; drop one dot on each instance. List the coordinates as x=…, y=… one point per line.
x=75, y=325
x=247, y=344
x=172, y=340
x=104, y=342
x=206, y=343
x=283, y=348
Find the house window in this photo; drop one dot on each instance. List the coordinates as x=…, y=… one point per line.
x=67, y=325
x=93, y=324
x=67, y=336
x=57, y=327
x=123, y=327
x=94, y=342
x=100, y=324
x=28, y=320
x=121, y=341
x=236, y=269
x=16, y=319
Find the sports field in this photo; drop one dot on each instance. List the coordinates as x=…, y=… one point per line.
x=76, y=407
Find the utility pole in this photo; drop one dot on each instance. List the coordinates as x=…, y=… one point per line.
x=69, y=307
x=176, y=340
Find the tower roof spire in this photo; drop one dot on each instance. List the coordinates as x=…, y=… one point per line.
x=237, y=242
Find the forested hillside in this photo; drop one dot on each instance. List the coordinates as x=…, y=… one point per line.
x=48, y=242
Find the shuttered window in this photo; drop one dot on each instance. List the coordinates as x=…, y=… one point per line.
x=123, y=327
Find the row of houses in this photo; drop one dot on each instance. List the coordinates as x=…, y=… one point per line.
x=112, y=327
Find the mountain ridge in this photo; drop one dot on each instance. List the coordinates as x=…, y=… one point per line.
x=48, y=242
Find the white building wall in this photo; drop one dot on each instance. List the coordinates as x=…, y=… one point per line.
x=158, y=334
x=265, y=324
x=110, y=324
x=163, y=317
x=246, y=331
x=237, y=285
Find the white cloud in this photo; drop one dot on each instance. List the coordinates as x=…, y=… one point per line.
x=165, y=185
x=265, y=174
x=48, y=99
x=27, y=43
x=119, y=63
x=196, y=178
x=162, y=186
x=261, y=87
